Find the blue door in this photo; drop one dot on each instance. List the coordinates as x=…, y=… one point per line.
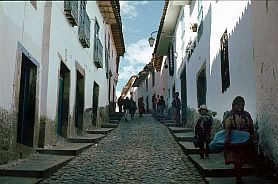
x=60, y=106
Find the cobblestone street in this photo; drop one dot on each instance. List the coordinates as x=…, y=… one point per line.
x=139, y=151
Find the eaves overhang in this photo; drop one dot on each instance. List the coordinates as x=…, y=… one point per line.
x=167, y=28
x=140, y=79
x=166, y=32
x=110, y=11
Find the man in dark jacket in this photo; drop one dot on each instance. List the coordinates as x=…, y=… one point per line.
x=133, y=107
x=127, y=105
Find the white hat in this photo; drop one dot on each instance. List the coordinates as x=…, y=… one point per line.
x=203, y=107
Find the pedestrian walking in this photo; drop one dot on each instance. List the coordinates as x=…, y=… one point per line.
x=241, y=120
x=120, y=103
x=126, y=104
x=203, y=131
x=176, y=106
x=133, y=107
x=161, y=105
x=154, y=102
x=141, y=106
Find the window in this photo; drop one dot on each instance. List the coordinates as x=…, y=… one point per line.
x=98, y=48
x=153, y=77
x=96, y=34
x=147, y=84
x=171, y=60
x=106, y=56
x=173, y=91
x=71, y=11
x=200, y=31
x=109, y=45
x=84, y=26
x=225, y=74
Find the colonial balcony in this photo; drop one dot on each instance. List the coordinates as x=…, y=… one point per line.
x=84, y=29
x=98, y=53
x=71, y=11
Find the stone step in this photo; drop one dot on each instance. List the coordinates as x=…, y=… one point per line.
x=100, y=131
x=245, y=180
x=87, y=138
x=115, y=118
x=19, y=180
x=180, y=129
x=117, y=114
x=163, y=121
x=188, y=136
x=214, y=166
x=169, y=124
x=113, y=121
x=40, y=166
x=158, y=119
x=109, y=125
x=188, y=147
x=69, y=149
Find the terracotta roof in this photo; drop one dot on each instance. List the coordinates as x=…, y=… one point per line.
x=143, y=74
x=129, y=84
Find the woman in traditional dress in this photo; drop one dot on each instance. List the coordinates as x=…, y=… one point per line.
x=238, y=155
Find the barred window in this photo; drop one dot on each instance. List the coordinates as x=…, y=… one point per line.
x=153, y=77
x=225, y=73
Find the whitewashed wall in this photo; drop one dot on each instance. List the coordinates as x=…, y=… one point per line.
x=65, y=43
x=217, y=16
x=112, y=62
x=265, y=28
x=23, y=23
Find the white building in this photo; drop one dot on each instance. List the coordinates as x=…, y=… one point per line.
x=223, y=49
x=53, y=74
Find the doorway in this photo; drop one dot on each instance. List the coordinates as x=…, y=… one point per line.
x=95, y=104
x=201, y=86
x=147, y=103
x=79, y=101
x=27, y=102
x=183, y=96
x=63, y=100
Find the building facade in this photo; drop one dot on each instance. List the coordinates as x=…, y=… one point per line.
x=53, y=83
x=215, y=51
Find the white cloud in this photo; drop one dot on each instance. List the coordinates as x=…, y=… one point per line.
x=140, y=2
x=127, y=71
x=139, y=52
x=128, y=8
x=137, y=56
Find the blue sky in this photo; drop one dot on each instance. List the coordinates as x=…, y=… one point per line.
x=139, y=20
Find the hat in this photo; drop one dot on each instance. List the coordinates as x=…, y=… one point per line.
x=203, y=107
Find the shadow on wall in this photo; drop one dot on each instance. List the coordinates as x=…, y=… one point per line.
x=236, y=34
x=265, y=166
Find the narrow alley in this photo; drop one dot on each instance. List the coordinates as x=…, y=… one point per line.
x=139, y=151
x=202, y=72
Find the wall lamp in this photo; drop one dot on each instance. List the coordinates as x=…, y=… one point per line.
x=152, y=39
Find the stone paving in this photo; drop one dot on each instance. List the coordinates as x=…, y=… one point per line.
x=139, y=151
